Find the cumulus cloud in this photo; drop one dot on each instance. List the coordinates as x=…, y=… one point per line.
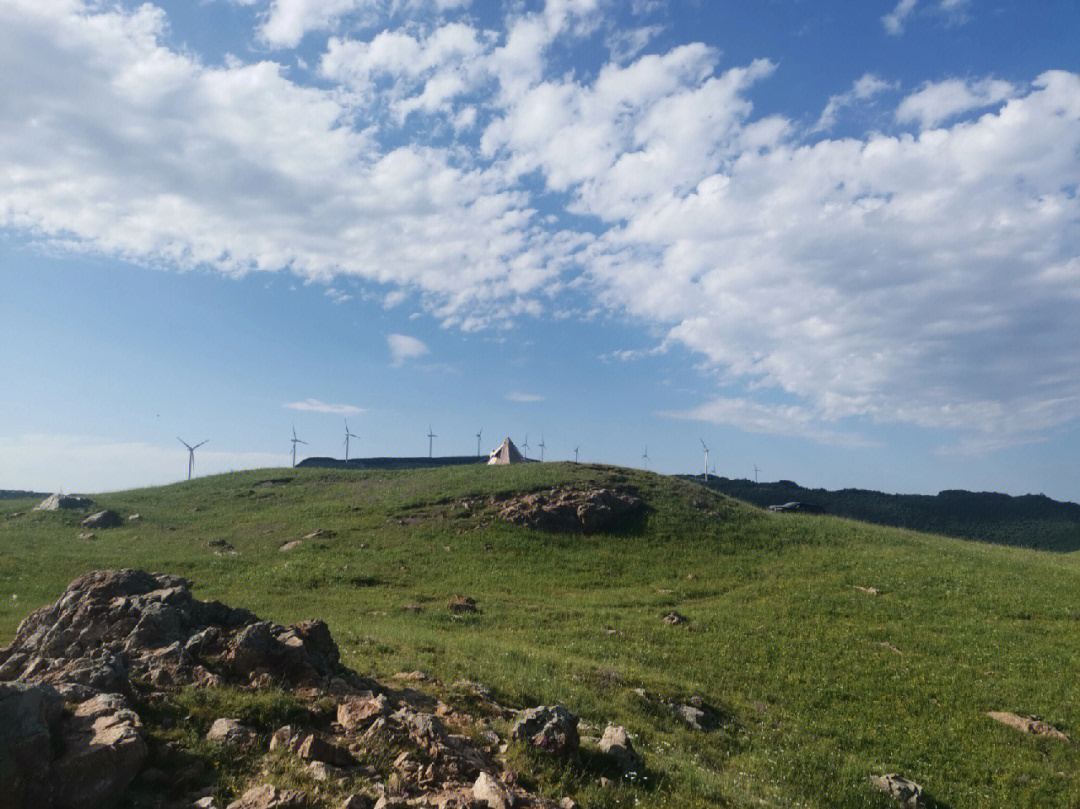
x=315, y=406
x=403, y=347
x=523, y=397
x=936, y=102
x=895, y=20
x=755, y=417
x=952, y=11
x=924, y=278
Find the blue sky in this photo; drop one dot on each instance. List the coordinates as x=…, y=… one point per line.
x=840, y=241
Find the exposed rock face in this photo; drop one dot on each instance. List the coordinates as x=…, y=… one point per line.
x=64, y=502
x=906, y=792
x=616, y=744
x=571, y=510
x=112, y=625
x=270, y=797
x=102, y=749
x=1028, y=724
x=551, y=728
x=103, y=519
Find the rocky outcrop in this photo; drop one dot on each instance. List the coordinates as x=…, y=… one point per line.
x=574, y=511
x=64, y=502
x=114, y=626
x=1028, y=724
x=550, y=728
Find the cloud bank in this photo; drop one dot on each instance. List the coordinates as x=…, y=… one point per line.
x=926, y=275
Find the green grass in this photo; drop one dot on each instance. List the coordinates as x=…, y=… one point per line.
x=778, y=639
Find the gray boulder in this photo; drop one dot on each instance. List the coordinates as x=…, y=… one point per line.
x=551, y=728
x=103, y=519
x=616, y=745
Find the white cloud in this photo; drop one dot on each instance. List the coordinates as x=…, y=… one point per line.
x=286, y=22
x=895, y=20
x=315, y=406
x=954, y=12
x=865, y=87
x=403, y=347
x=925, y=278
x=755, y=417
x=523, y=397
x=936, y=102
x=85, y=464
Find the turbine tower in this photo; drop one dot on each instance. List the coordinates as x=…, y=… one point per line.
x=542, y=445
x=706, y=458
x=295, y=441
x=575, y=452
x=525, y=446
x=430, y=437
x=348, y=435
x=645, y=456
x=756, y=470
x=479, y=433
x=191, y=454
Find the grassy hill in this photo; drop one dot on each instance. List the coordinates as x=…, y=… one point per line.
x=1029, y=521
x=822, y=684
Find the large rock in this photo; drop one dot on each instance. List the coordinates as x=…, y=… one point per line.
x=64, y=502
x=229, y=731
x=103, y=519
x=571, y=510
x=551, y=728
x=616, y=745
x=1028, y=724
x=29, y=720
x=905, y=791
x=491, y=793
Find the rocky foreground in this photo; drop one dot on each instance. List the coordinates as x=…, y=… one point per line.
x=85, y=678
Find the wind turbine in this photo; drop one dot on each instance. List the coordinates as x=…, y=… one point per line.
x=525, y=445
x=756, y=470
x=478, y=434
x=575, y=452
x=430, y=437
x=541, y=445
x=348, y=435
x=191, y=454
x=295, y=441
x=645, y=456
x=706, y=457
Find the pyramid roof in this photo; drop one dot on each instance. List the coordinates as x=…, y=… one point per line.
x=506, y=453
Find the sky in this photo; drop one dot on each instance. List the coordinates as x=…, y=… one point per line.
x=835, y=241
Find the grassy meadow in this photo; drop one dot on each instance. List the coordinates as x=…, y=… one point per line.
x=778, y=637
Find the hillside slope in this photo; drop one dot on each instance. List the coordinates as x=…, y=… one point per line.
x=819, y=684
x=1028, y=521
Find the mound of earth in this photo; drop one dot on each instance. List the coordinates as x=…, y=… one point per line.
x=82, y=673
x=568, y=510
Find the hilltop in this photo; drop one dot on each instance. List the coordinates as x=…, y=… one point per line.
x=1028, y=521
x=818, y=651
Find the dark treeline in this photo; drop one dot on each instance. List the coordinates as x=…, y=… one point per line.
x=1030, y=521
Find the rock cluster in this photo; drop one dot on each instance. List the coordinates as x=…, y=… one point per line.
x=567, y=510
x=70, y=737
